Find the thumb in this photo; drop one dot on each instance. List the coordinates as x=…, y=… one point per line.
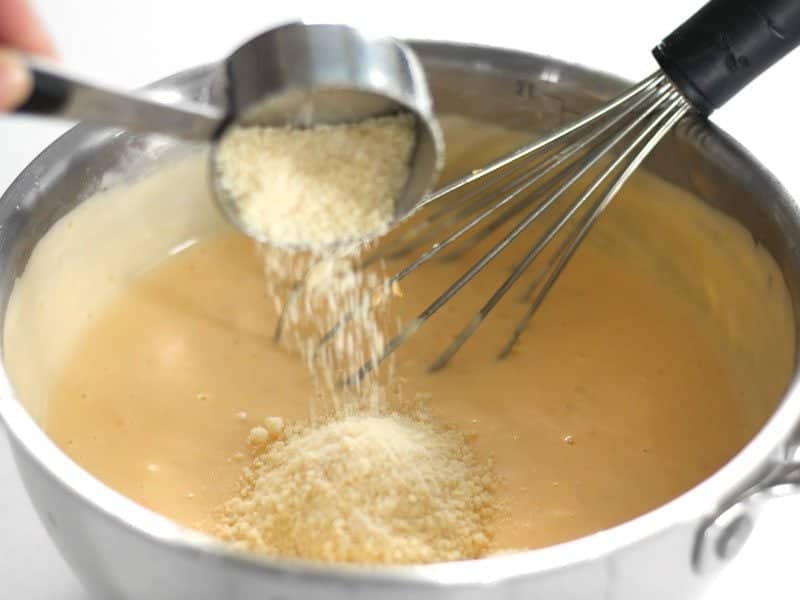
x=15, y=81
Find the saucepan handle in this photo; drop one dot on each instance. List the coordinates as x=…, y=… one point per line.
x=724, y=534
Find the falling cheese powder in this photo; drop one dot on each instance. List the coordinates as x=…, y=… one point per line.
x=382, y=489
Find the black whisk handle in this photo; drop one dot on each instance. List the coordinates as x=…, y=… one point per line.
x=727, y=44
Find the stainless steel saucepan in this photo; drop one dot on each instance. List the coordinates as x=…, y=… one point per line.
x=123, y=551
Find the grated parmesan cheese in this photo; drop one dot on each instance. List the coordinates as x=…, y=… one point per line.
x=387, y=489
x=317, y=187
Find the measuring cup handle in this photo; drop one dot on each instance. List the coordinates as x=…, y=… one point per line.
x=57, y=94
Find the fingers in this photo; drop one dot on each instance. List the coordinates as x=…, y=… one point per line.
x=15, y=81
x=20, y=28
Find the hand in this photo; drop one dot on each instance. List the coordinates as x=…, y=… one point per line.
x=20, y=30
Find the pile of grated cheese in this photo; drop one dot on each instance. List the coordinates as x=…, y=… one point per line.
x=365, y=489
x=317, y=187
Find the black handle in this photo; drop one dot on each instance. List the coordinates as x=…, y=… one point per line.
x=49, y=95
x=727, y=44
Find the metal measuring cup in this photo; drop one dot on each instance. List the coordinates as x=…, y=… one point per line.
x=296, y=75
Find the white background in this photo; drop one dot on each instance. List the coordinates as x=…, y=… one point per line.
x=131, y=42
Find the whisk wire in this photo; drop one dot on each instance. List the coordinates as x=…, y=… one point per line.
x=653, y=81
x=554, y=229
x=571, y=243
x=548, y=167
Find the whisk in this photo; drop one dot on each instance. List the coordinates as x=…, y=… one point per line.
x=703, y=63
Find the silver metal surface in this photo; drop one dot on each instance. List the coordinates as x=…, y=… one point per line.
x=126, y=552
x=302, y=75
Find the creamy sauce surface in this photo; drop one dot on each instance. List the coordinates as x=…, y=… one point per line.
x=659, y=353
